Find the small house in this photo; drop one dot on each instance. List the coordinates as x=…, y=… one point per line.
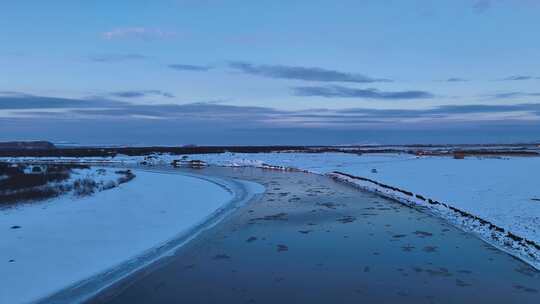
x=459, y=155
x=194, y=163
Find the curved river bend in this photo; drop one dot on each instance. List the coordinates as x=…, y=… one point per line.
x=309, y=239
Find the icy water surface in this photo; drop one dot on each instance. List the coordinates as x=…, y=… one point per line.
x=312, y=240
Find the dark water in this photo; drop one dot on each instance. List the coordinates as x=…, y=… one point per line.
x=311, y=240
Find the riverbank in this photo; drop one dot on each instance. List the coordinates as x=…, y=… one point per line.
x=65, y=243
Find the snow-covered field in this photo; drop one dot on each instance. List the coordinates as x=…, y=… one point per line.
x=47, y=246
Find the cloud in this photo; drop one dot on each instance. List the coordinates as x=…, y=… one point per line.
x=116, y=57
x=441, y=112
x=370, y=93
x=201, y=112
x=27, y=106
x=12, y=94
x=141, y=93
x=481, y=6
x=468, y=109
x=302, y=73
x=456, y=79
x=189, y=67
x=22, y=101
x=513, y=95
x=143, y=33
x=102, y=121
x=519, y=77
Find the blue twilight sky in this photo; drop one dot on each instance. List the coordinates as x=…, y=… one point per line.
x=270, y=72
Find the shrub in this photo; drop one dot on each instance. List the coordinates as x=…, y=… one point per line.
x=84, y=187
x=109, y=185
x=128, y=175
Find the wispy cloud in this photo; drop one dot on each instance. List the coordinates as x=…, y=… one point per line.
x=141, y=93
x=446, y=110
x=520, y=77
x=370, y=93
x=12, y=94
x=481, y=6
x=456, y=79
x=207, y=114
x=189, y=67
x=23, y=101
x=143, y=33
x=116, y=57
x=302, y=73
x=508, y=95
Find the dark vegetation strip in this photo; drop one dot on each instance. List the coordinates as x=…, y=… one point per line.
x=17, y=179
x=21, y=183
x=127, y=176
x=137, y=151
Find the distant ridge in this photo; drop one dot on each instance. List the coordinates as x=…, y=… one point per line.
x=27, y=145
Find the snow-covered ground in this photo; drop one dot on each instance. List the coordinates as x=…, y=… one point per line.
x=48, y=246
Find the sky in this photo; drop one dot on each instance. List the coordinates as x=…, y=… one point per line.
x=211, y=72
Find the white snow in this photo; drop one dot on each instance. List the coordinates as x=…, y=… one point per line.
x=65, y=240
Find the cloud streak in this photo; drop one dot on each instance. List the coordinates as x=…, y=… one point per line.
x=141, y=93
x=456, y=79
x=370, y=93
x=143, y=33
x=481, y=6
x=21, y=106
x=519, y=78
x=107, y=58
x=302, y=73
x=190, y=67
x=508, y=95
x=20, y=101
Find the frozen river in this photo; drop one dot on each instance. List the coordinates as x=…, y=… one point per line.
x=309, y=239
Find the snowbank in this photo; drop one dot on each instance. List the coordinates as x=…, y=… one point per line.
x=46, y=247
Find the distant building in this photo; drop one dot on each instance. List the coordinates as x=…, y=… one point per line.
x=197, y=164
x=35, y=169
x=459, y=155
